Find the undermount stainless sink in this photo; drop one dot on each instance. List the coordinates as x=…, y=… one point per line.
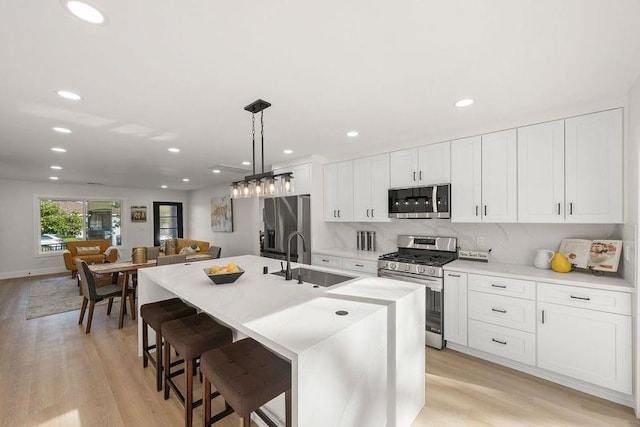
x=320, y=278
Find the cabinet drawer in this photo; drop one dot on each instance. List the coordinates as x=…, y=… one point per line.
x=503, y=286
x=594, y=299
x=499, y=310
x=370, y=267
x=511, y=344
x=326, y=260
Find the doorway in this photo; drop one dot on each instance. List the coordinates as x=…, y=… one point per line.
x=167, y=221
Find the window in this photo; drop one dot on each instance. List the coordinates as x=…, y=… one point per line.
x=167, y=221
x=64, y=220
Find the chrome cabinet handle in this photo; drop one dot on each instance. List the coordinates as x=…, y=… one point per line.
x=334, y=213
x=558, y=208
x=359, y=265
x=367, y=213
x=499, y=341
x=493, y=285
x=372, y=213
x=485, y=210
x=476, y=210
x=420, y=175
x=498, y=310
x=414, y=176
x=453, y=275
x=543, y=317
x=325, y=260
x=570, y=208
x=580, y=298
x=338, y=213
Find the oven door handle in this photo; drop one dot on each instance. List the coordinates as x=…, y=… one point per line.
x=433, y=283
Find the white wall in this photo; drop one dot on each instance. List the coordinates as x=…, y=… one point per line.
x=246, y=222
x=19, y=221
x=630, y=229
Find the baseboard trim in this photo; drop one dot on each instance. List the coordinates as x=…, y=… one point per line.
x=34, y=272
x=604, y=393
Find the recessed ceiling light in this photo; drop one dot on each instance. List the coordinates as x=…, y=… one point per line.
x=85, y=11
x=69, y=95
x=53, y=178
x=352, y=134
x=174, y=150
x=163, y=186
x=56, y=167
x=246, y=163
x=464, y=102
x=59, y=150
x=185, y=179
x=288, y=151
x=62, y=130
x=216, y=171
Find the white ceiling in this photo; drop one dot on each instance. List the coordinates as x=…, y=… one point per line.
x=166, y=74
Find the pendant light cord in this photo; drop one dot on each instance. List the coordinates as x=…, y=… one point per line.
x=253, y=140
x=262, y=137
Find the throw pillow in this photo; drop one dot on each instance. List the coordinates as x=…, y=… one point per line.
x=195, y=247
x=186, y=250
x=88, y=250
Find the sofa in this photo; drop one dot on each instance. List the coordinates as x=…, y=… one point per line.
x=90, y=251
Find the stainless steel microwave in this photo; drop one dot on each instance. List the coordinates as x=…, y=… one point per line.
x=420, y=202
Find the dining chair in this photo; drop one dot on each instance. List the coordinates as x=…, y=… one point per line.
x=153, y=252
x=91, y=294
x=172, y=259
x=215, y=251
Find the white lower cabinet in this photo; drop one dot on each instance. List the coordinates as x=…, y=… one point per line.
x=455, y=307
x=363, y=267
x=589, y=345
x=509, y=343
x=579, y=336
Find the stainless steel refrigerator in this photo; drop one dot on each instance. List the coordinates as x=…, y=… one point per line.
x=281, y=217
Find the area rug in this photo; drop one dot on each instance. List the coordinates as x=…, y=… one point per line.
x=53, y=296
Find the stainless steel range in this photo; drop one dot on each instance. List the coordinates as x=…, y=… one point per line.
x=419, y=259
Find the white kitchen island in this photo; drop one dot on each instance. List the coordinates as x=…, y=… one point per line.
x=347, y=370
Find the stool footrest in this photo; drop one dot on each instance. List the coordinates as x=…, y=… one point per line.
x=220, y=415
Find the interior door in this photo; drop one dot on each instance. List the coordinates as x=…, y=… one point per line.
x=167, y=221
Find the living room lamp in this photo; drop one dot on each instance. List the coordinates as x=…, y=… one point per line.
x=263, y=183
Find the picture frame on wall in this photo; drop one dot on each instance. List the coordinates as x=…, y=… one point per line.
x=138, y=214
x=222, y=214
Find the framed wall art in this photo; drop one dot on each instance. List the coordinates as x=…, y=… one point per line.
x=222, y=214
x=138, y=214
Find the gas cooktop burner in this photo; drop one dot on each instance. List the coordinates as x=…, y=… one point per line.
x=422, y=256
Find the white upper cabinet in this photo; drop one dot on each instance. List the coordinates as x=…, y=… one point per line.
x=338, y=191
x=301, y=178
x=499, y=177
x=541, y=173
x=483, y=178
x=427, y=165
x=370, y=189
x=466, y=179
x=593, y=168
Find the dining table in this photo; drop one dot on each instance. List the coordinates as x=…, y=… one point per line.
x=128, y=268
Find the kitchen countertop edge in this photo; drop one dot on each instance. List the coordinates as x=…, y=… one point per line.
x=525, y=272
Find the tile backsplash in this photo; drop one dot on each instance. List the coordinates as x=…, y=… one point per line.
x=509, y=243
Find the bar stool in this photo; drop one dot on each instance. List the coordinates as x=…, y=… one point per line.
x=154, y=315
x=247, y=375
x=190, y=336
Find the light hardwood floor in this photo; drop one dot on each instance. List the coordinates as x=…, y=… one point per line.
x=52, y=374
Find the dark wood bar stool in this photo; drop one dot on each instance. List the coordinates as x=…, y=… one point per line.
x=154, y=315
x=247, y=375
x=191, y=337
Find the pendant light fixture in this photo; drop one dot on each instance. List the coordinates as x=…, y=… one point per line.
x=263, y=183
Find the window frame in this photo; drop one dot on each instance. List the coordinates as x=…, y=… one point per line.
x=37, y=220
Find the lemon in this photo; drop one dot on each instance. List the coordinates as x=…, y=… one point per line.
x=560, y=263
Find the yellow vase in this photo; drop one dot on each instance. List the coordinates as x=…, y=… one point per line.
x=560, y=263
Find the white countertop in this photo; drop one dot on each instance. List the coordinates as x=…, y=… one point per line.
x=257, y=303
x=349, y=253
x=526, y=272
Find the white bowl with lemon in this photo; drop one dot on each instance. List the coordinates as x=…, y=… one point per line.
x=223, y=274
